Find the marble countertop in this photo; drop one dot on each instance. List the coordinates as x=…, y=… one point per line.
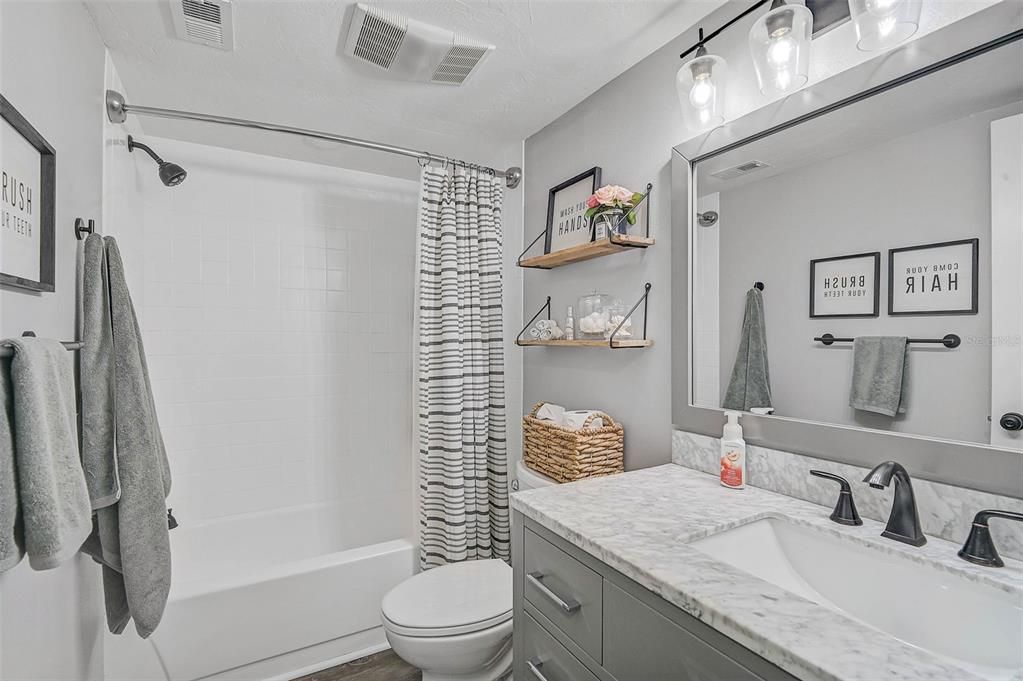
x=640, y=522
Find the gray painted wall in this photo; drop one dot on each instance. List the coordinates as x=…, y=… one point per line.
x=926, y=187
x=51, y=70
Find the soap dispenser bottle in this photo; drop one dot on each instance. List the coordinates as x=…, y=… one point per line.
x=733, y=453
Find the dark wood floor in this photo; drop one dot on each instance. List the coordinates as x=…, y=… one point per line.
x=383, y=666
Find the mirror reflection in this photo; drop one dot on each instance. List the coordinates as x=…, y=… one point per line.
x=887, y=237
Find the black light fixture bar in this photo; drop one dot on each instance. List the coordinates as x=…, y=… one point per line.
x=713, y=34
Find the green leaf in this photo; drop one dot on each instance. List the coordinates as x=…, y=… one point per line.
x=636, y=198
x=631, y=217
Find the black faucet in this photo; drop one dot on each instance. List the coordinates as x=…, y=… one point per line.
x=845, y=508
x=904, y=521
x=979, y=548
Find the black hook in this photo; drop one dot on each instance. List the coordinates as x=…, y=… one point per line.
x=82, y=230
x=759, y=285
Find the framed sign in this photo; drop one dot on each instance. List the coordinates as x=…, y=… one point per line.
x=935, y=279
x=567, y=224
x=28, y=182
x=846, y=286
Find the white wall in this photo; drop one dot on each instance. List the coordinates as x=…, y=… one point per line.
x=628, y=127
x=51, y=70
x=276, y=305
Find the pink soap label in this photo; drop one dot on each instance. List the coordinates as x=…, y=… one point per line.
x=731, y=469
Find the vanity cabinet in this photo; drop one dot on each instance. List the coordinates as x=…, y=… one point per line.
x=577, y=619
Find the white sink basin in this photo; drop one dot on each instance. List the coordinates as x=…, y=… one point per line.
x=974, y=625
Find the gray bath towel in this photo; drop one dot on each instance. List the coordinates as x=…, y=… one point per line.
x=130, y=537
x=12, y=540
x=880, y=380
x=97, y=377
x=750, y=385
x=51, y=492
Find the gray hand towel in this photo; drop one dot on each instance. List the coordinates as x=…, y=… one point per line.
x=51, y=491
x=97, y=377
x=12, y=540
x=750, y=385
x=880, y=380
x=130, y=538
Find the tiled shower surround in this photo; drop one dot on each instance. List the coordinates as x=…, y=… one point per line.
x=277, y=309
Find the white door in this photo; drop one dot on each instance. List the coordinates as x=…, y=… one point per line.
x=1007, y=280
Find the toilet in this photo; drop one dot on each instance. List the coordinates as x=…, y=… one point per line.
x=455, y=622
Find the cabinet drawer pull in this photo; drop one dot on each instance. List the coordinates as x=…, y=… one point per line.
x=569, y=606
x=534, y=668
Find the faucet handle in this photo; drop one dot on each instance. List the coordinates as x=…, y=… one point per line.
x=979, y=547
x=845, y=509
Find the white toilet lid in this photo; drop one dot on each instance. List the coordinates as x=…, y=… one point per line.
x=451, y=599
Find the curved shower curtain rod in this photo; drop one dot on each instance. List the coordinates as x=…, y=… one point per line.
x=118, y=110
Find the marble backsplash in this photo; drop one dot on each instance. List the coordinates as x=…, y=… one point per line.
x=945, y=510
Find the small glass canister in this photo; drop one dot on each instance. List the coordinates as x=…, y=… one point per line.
x=616, y=315
x=592, y=316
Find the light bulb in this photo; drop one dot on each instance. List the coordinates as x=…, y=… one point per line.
x=880, y=6
x=702, y=93
x=886, y=26
x=780, y=51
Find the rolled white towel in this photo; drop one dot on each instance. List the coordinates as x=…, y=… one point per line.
x=551, y=412
x=576, y=419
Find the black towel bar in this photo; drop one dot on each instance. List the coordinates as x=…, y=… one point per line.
x=949, y=341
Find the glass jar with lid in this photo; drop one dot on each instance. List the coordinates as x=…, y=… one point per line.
x=616, y=315
x=592, y=316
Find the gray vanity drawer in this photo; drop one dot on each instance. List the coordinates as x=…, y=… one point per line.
x=640, y=644
x=567, y=592
x=548, y=660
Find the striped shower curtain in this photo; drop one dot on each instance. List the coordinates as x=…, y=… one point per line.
x=463, y=480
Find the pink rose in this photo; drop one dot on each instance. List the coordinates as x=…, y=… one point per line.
x=623, y=194
x=606, y=194
x=592, y=202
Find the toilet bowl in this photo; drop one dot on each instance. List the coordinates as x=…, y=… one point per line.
x=454, y=622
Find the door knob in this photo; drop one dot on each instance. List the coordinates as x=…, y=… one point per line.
x=1011, y=421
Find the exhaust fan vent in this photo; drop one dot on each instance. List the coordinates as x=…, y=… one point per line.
x=380, y=37
x=412, y=50
x=459, y=63
x=206, y=22
x=740, y=170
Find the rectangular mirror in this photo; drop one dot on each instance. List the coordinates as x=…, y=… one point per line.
x=899, y=215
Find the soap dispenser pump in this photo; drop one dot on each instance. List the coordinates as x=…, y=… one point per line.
x=733, y=453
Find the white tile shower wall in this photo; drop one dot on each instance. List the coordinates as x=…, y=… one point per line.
x=277, y=313
x=945, y=511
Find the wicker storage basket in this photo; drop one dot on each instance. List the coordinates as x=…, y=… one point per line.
x=568, y=455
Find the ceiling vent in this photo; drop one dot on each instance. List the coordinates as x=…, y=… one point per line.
x=410, y=49
x=207, y=22
x=740, y=170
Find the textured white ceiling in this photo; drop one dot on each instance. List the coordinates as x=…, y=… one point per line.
x=287, y=68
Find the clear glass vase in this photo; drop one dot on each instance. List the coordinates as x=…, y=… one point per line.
x=609, y=221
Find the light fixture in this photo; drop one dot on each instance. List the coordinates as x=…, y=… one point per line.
x=700, y=84
x=780, y=45
x=883, y=23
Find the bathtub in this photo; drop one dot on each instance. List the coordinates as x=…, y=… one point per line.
x=266, y=596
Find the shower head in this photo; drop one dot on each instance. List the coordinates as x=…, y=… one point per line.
x=171, y=174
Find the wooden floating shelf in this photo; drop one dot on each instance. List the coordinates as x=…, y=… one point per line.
x=638, y=343
x=587, y=251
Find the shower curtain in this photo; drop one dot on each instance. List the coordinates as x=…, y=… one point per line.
x=463, y=481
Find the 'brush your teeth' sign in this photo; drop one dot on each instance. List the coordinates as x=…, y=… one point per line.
x=27, y=174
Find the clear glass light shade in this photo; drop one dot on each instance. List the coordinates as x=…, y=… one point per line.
x=884, y=23
x=780, y=44
x=701, y=91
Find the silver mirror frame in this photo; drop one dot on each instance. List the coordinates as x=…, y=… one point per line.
x=980, y=467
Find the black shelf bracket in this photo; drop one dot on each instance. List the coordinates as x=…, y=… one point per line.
x=644, y=300
x=546, y=307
